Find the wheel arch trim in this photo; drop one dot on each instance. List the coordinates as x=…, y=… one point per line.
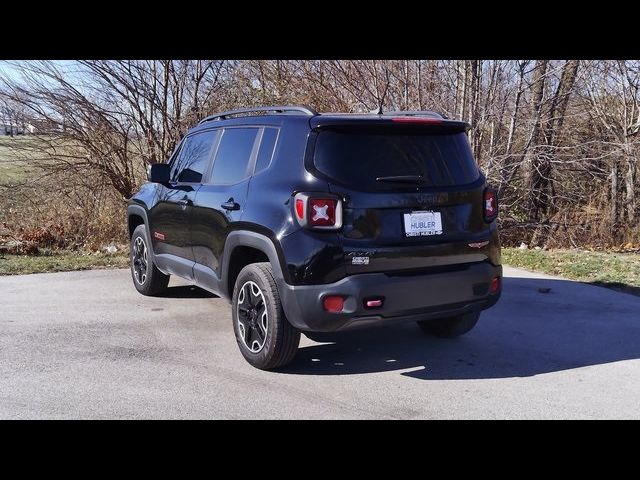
x=247, y=238
x=142, y=212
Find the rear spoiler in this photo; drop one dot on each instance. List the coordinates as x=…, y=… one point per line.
x=434, y=124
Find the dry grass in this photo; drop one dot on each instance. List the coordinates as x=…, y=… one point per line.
x=45, y=208
x=60, y=262
x=620, y=271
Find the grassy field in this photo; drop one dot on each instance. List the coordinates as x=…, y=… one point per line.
x=620, y=271
x=13, y=172
x=60, y=262
x=12, y=168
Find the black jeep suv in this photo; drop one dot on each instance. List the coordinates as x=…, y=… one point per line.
x=322, y=222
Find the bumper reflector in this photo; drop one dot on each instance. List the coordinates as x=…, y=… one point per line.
x=333, y=303
x=373, y=303
x=495, y=285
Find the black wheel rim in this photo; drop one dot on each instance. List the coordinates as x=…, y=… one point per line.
x=139, y=260
x=252, y=317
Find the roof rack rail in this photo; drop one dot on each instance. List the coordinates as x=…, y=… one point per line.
x=275, y=109
x=417, y=113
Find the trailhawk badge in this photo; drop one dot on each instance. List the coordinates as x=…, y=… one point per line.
x=360, y=261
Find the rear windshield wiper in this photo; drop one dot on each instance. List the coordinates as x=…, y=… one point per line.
x=418, y=179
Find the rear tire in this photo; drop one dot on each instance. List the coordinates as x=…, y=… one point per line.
x=449, y=327
x=147, y=279
x=265, y=337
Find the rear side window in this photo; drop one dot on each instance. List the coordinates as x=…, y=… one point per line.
x=193, y=158
x=356, y=159
x=267, y=147
x=232, y=157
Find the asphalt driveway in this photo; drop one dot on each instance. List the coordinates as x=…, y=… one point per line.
x=87, y=345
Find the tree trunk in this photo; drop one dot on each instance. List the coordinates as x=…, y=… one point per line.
x=461, y=90
x=516, y=107
x=474, y=110
x=543, y=193
x=561, y=100
x=535, y=172
x=613, y=212
x=419, y=82
x=630, y=175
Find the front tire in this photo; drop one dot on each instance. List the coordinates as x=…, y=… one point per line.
x=450, y=327
x=147, y=279
x=266, y=338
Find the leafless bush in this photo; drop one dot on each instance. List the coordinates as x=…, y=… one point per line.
x=558, y=138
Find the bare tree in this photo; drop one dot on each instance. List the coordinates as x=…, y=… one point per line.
x=111, y=118
x=613, y=94
x=559, y=138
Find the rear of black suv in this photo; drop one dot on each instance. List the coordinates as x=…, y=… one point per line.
x=408, y=221
x=321, y=223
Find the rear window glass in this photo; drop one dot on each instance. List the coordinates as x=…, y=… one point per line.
x=267, y=147
x=356, y=159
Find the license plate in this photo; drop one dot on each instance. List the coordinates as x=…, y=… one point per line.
x=417, y=224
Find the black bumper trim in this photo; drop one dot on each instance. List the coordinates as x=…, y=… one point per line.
x=417, y=297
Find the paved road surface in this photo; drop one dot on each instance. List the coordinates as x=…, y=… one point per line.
x=87, y=345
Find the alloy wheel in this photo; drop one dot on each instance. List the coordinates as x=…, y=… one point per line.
x=252, y=316
x=139, y=262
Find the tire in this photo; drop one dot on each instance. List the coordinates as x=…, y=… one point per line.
x=146, y=277
x=449, y=327
x=256, y=302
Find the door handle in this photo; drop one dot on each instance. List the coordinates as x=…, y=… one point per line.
x=230, y=205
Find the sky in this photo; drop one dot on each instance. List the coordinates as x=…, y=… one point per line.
x=6, y=67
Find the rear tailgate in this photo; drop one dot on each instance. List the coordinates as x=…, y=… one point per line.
x=413, y=195
x=374, y=236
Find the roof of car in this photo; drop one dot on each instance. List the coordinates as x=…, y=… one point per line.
x=316, y=119
x=310, y=112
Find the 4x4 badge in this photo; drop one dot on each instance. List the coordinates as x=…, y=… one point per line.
x=158, y=235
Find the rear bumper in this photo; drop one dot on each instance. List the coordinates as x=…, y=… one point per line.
x=408, y=297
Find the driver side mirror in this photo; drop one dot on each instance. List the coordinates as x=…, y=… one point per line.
x=158, y=172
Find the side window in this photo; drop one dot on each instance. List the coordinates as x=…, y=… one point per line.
x=232, y=157
x=194, y=157
x=267, y=147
